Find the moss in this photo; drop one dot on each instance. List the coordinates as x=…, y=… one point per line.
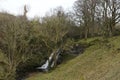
x=3, y=65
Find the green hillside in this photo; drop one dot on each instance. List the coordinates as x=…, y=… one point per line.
x=100, y=61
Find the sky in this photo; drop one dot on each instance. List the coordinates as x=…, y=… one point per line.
x=35, y=7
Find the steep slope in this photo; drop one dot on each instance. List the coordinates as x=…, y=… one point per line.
x=101, y=61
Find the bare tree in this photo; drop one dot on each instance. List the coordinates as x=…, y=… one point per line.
x=14, y=41
x=53, y=29
x=85, y=12
x=110, y=12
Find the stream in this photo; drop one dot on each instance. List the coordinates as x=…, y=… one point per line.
x=75, y=50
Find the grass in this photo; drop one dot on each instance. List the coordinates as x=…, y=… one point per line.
x=100, y=61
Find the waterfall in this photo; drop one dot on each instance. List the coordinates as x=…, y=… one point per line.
x=47, y=64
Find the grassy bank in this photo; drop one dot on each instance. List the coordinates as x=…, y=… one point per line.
x=101, y=61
